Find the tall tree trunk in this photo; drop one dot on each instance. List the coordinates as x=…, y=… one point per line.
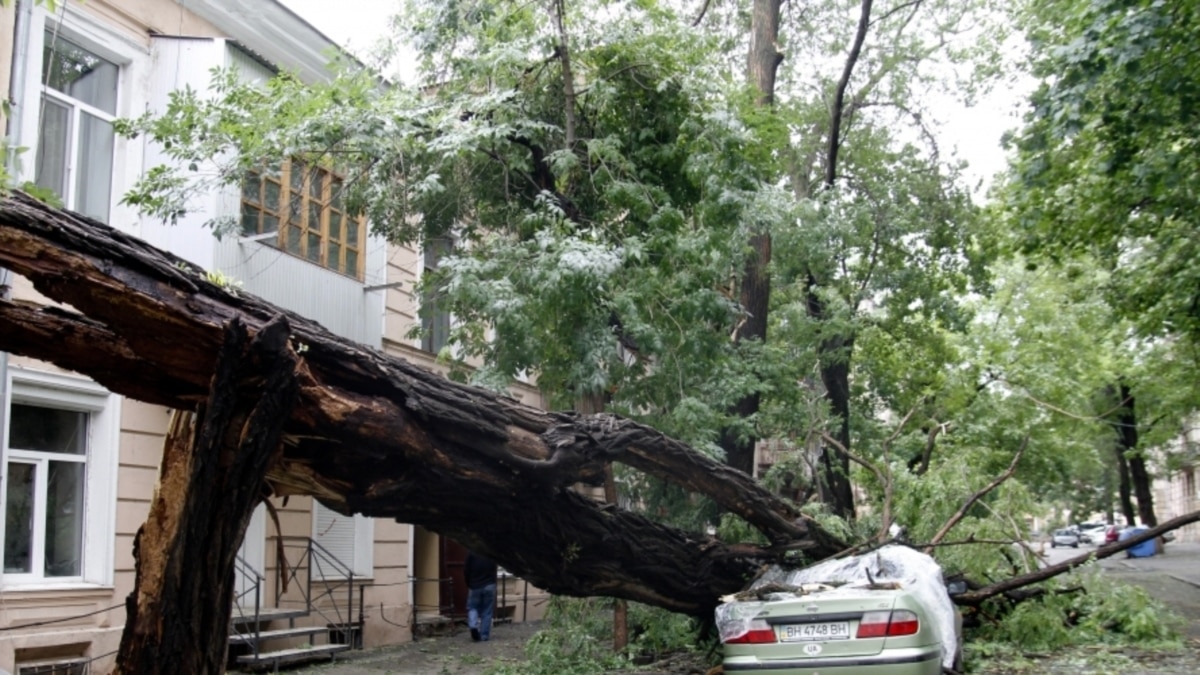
x=211, y=478
x=1124, y=487
x=591, y=405
x=835, y=351
x=1125, y=425
x=755, y=292
x=1139, y=476
x=564, y=57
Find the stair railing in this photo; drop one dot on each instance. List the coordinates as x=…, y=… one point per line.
x=250, y=582
x=321, y=581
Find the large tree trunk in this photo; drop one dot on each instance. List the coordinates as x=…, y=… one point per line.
x=1124, y=486
x=373, y=434
x=755, y=291
x=1125, y=424
x=834, y=477
x=211, y=478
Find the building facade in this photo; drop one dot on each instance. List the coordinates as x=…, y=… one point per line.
x=80, y=464
x=1177, y=485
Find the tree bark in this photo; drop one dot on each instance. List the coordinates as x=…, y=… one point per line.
x=764, y=59
x=211, y=478
x=373, y=434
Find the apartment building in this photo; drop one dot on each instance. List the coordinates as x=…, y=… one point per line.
x=80, y=464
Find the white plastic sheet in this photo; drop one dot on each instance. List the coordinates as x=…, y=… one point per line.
x=914, y=571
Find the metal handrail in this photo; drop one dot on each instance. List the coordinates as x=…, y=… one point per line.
x=332, y=577
x=244, y=570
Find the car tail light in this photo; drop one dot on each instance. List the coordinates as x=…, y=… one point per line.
x=888, y=624
x=903, y=622
x=760, y=633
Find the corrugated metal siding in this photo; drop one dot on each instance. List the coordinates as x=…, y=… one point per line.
x=333, y=300
x=250, y=68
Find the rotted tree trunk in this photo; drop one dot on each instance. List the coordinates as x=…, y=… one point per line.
x=376, y=435
x=211, y=478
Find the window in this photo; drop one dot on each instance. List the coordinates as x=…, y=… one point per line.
x=349, y=539
x=44, y=481
x=299, y=209
x=75, y=131
x=72, y=667
x=435, y=321
x=59, y=481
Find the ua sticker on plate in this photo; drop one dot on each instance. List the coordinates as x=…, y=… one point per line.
x=812, y=649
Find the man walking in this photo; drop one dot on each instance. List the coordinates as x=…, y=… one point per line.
x=480, y=573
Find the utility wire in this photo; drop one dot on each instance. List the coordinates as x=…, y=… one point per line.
x=52, y=621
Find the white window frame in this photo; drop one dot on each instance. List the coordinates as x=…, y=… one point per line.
x=76, y=108
x=132, y=60
x=363, y=564
x=67, y=392
x=420, y=342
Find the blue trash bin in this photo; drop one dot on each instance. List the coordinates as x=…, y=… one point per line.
x=1143, y=550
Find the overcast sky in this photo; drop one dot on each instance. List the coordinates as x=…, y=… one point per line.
x=975, y=132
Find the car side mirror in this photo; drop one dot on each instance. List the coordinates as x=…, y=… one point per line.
x=956, y=587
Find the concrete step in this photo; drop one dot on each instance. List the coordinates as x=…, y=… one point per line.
x=248, y=637
x=272, y=660
x=266, y=614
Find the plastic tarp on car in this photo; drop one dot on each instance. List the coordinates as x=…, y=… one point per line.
x=914, y=571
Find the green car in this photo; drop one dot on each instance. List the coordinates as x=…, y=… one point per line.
x=867, y=627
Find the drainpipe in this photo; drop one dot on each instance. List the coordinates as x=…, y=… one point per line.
x=22, y=17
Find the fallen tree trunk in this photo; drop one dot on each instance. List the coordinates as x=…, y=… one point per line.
x=373, y=434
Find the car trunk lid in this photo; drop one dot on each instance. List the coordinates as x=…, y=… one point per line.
x=829, y=617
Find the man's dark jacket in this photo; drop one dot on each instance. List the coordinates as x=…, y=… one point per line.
x=479, y=571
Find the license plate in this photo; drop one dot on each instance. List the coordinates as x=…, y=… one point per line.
x=799, y=632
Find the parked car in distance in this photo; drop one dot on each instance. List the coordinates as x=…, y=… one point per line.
x=1092, y=535
x=1064, y=538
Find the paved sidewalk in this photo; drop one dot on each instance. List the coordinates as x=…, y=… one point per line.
x=1180, y=560
x=1172, y=577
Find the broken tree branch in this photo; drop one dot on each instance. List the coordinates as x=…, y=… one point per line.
x=962, y=510
x=976, y=597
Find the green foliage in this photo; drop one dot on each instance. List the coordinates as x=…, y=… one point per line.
x=1107, y=161
x=1087, y=608
x=577, y=639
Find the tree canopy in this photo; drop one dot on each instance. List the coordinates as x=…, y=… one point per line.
x=1106, y=164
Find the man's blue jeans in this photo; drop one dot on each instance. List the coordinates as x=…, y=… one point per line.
x=481, y=604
